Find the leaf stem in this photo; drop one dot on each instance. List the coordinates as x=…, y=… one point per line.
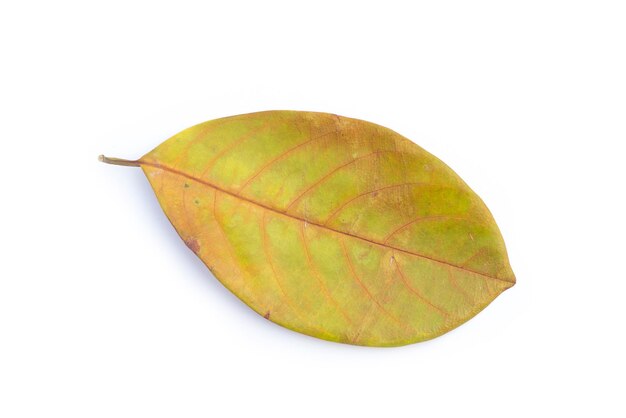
x=119, y=161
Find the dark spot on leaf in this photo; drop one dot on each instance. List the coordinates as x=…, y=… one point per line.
x=186, y=185
x=193, y=244
x=196, y=201
x=267, y=315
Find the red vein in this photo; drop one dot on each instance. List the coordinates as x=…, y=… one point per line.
x=369, y=313
x=473, y=256
x=285, y=297
x=417, y=293
x=279, y=212
x=369, y=294
x=185, y=152
x=423, y=218
x=454, y=283
x=269, y=259
x=229, y=148
x=217, y=221
x=205, y=129
x=340, y=208
x=200, y=135
x=228, y=244
x=282, y=155
x=316, y=273
x=321, y=180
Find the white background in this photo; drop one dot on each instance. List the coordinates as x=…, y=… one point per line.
x=105, y=313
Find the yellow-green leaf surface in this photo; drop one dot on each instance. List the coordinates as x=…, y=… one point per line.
x=330, y=226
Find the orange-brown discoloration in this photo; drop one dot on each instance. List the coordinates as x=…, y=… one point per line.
x=193, y=244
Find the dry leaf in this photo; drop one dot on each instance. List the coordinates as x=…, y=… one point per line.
x=334, y=227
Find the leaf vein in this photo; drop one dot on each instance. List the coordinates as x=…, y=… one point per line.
x=228, y=244
x=344, y=233
x=369, y=294
x=282, y=155
x=316, y=273
x=422, y=218
x=285, y=297
x=417, y=293
x=329, y=174
x=230, y=147
x=341, y=207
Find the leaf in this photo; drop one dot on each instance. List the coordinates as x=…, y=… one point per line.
x=334, y=227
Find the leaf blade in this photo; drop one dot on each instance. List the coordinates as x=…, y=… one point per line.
x=388, y=199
